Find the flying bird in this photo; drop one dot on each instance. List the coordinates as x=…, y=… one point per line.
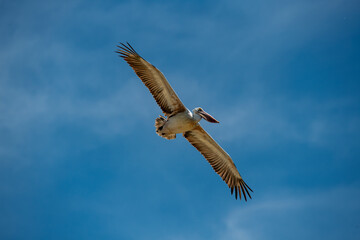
x=179, y=119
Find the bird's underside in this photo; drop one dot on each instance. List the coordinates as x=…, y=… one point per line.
x=159, y=125
x=179, y=123
x=178, y=119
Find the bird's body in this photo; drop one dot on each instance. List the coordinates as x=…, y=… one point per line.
x=179, y=119
x=180, y=122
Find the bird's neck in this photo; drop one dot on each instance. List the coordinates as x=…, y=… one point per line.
x=196, y=116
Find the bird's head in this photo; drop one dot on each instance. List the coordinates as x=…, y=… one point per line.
x=200, y=112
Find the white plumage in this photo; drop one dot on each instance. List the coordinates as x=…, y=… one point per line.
x=179, y=119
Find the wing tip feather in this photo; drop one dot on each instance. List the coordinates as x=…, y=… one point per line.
x=234, y=182
x=125, y=50
x=242, y=189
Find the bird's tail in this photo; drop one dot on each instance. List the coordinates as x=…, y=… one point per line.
x=159, y=124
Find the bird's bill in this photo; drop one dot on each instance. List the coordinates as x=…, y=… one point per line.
x=208, y=117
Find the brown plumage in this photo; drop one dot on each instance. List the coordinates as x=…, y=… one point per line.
x=154, y=80
x=218, y=159
x=184, y=121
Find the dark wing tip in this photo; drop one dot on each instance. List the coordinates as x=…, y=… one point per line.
x=125, y=50
x=242, y=189
x=247, y=186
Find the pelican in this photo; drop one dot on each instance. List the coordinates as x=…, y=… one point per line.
x=179, y=119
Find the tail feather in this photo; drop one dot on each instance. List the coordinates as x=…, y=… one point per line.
x=168, y=136
x=159, y=124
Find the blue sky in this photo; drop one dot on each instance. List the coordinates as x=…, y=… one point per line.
x=79, y=156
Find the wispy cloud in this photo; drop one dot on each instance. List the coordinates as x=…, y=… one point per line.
x=263, y=120
x=281, y=215
x=109, y=115
x=72, y=113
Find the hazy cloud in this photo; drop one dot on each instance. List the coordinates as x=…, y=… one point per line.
x=313, y=213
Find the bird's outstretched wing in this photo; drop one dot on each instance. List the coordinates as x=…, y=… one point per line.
x=219, y=160
x=153, y=79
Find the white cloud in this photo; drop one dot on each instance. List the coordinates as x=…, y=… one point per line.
x=277, y=216
x=112, y=114
x=267, y=120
